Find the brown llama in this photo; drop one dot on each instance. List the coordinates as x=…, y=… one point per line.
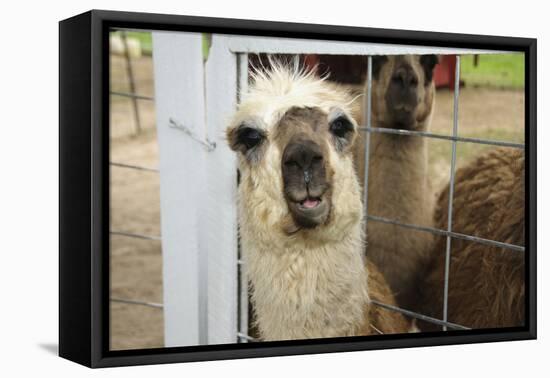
x=486, y=283
x=403, y=96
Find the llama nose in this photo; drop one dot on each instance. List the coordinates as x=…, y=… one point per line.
x=303, y=154
x=405, y=77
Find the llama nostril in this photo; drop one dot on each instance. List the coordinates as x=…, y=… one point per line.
x=291, y=163
x=398, y=79
x=405, y=78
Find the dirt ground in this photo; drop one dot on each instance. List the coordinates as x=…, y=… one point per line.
x=482, y=113
x=136, y=264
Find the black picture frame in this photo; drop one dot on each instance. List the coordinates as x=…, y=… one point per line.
x=84, y=187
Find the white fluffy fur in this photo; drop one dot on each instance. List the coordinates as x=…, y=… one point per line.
x=274, y=92
x=313, y=283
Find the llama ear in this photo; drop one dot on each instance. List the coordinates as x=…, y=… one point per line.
x=428, y=63
x=377, y=62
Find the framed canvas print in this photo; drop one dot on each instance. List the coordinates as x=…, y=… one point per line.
x=233, y=188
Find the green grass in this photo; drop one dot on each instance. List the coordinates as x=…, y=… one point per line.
x=494, y=70
x=145, y=39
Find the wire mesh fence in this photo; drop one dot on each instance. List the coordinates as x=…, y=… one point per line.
x=448, y=233
x=130, y=86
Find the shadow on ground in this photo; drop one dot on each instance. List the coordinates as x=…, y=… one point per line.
x=51, y=348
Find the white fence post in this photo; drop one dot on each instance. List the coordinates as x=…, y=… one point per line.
x=198, y=188
x=220, y=218
x=179, y=95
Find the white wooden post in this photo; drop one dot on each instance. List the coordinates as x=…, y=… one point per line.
x=220, y=221
x=179, y=95
x=198, y=188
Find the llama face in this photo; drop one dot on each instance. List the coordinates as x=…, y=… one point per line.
x=293, y=134
x=304, y=136
x=403, y=90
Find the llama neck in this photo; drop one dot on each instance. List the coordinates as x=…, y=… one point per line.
x=399, y=190
x=398, y=176
x=306, y=290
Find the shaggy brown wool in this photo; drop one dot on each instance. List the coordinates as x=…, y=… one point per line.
x=389, y=321
x=486, y=283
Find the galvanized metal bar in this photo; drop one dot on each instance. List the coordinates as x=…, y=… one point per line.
x=134, y=235
x=452, y=234
x=295, y=60
x=137, y=302
x=416, y=315
x=131, y=166
x=376, y=329
x=242, y=88
x=276, y=45
x=132, y=95
x=367, y=116
x=451, y=194
x=246, y=338
x=444, y=137
x=130, y=73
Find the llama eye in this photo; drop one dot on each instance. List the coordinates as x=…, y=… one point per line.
x=250, y=137
x=340, y=127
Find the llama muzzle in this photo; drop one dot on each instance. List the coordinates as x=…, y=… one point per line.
x=305, y=182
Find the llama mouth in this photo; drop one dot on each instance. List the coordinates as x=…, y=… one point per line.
x=404, y=120
x=309, y=212
x=310, y=203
